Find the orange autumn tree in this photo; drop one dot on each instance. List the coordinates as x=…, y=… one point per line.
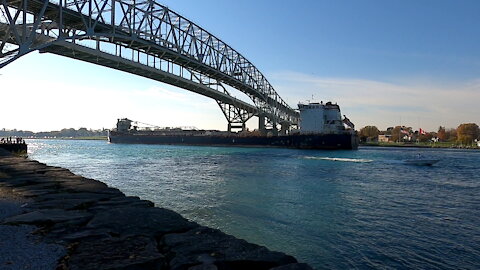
x=467, y=133
x=442, y=134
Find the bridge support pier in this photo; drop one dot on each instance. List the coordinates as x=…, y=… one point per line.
x=236, y=117
x=274, y=131
x=284, y=129
x=261, y=124
x=236, y=126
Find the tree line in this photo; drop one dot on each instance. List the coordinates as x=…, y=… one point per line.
x=467, y=133
x=64, y=133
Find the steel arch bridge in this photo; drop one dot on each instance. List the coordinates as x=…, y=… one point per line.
x=145, y=38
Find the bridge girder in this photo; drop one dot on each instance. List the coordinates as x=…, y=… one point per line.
x=144, y=38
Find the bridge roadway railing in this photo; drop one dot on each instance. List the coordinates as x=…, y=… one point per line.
x=147, y=33
x=236, y=111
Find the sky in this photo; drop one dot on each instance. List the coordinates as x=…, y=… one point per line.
x=386, y=63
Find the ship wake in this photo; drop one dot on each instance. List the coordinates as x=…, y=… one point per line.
x=357, y=160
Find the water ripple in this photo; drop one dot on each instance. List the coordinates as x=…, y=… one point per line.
x=360, y=209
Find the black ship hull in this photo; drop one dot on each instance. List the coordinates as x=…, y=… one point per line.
x=300, y=141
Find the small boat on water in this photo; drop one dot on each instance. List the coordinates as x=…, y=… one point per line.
x=421, y=162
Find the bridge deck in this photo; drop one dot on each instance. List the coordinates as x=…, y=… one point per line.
x=73, y=25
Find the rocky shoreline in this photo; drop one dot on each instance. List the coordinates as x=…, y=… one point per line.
x=89, y=225
x=14, y=147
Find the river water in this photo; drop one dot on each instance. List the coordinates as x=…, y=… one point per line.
x=359, y=209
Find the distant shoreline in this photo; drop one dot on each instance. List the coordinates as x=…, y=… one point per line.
x=419, y=145
x=93, y=138
x=392, y=145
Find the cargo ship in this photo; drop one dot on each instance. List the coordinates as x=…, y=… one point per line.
x=321, y=127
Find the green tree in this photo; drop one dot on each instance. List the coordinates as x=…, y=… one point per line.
x=369, y=133
x=82, y=132
x=427, y=137
x=67, y=132
x=451, y=135
x=467, y=133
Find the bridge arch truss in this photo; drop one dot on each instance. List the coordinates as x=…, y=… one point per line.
x=145, y=38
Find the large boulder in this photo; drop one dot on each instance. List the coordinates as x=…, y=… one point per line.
x=293, y=266
x=79, y=195
x=154, y=222
x=206, y=246
x=129, y=253
x=66, y=204
x=49, y=217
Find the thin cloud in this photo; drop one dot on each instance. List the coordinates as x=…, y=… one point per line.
x=47, y=105
x=368, y=102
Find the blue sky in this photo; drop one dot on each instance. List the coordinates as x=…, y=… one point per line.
x=414, y=63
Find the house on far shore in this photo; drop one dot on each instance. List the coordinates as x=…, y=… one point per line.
x=384, y=138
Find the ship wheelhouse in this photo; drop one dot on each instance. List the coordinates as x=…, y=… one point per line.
x=321, y=118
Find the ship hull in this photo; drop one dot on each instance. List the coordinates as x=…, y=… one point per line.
x=323, y=141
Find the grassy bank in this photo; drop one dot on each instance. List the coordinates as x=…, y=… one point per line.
x=421, y=145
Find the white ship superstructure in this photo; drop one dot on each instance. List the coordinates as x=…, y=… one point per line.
x=320, y=118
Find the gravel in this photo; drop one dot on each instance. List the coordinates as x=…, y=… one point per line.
x=19, y=249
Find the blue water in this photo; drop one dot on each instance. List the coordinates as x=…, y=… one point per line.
x=332, y=209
